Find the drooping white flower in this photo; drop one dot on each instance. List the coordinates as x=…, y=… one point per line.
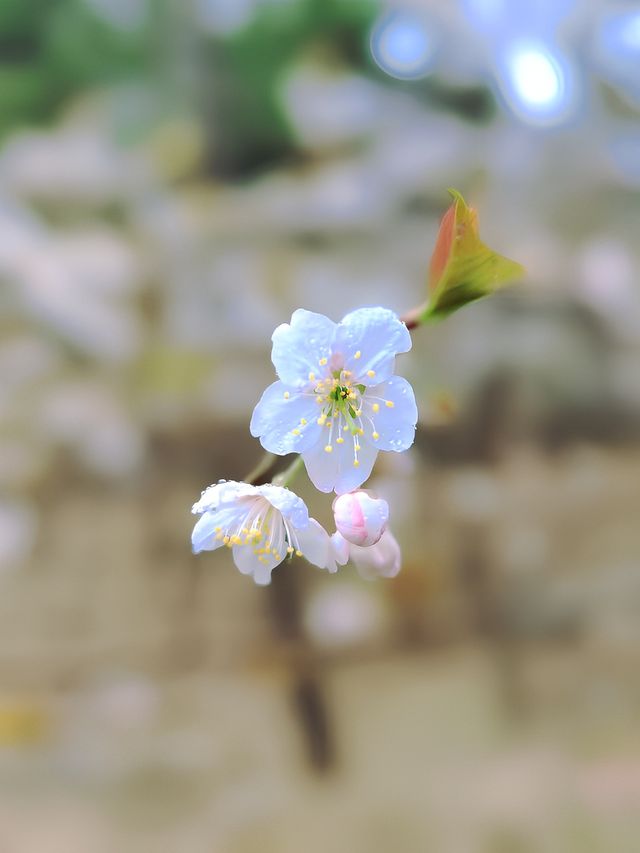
x=337, y=402
x=382, y=560
x=262, y=525
x=360, y=518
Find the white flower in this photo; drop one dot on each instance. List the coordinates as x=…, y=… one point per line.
x=360, y=518
x=337, y=402
x=262, y=525
x=382, y=560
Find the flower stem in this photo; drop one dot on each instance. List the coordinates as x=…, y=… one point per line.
x=261, y=468
x=289, y=473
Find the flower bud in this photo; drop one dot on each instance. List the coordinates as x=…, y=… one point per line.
x=359, y=518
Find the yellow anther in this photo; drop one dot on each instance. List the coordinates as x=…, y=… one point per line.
x=236, y=540
x=389, y=404
x=360, y=431
x=356, y=446
x=321, y=420
x=303, y=421
x=375, y=436
x=339, y=440
x=262, y=559
x=298, y=553
x=312, y=376
x=345, y=427
x=347, y=372
x=245, y=530
x=371, y=373
x=286, y=395
x=376, y=407
x=274, y=551
x=328, y=423
x=358, y=354
x=217, y=529
x=322, y=362
x=225, y=540
x=295, y=431
x=289, y=550
x=358, y=412
x=218, y=536
x=356, y=463
x=328, y=448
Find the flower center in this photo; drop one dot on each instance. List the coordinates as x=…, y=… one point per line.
x=261, y=530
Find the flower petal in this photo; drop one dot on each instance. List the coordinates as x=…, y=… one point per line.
x=206, y=528
x=287, y=502
x=335, y=471
x=249, y=563
x=395, y=425
x=340, y=548
x=221, y=492
x=299, y=346
x=315, y=544
x=368, y=340
x=279, y=421
x=382, y=560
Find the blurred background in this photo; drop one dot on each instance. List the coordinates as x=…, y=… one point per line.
x=177, y=177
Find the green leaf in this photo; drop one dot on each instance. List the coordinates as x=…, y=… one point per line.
x=462, y=268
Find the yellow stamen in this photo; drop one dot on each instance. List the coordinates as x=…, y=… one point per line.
x=358, y=354
x=312, y=376
x=375, y=436
x=295, y=431
x=389, y=404
x=298, y=553
x=286, y=395
x=339, y=440
x=371, y=373
x=289, y=550
x=321, y=420
x=322, y=362
x=356, y=463
x=356, y=446
x=328, y=448
x=360, y=431
x=303, y=421
x=376, y=407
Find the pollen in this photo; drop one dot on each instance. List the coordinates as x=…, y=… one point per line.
x=289, y=550
x=321, y=420
x=356, y=463
x=298, y=553
x=295, y=431
x=375, y=436
x=371, y=373
x=225, y=540
x=322, y=362
x=356, y=446
x=376, y=407
x=328, y=448
x=389, y=404
x=339, y=440
x=358, y=354
x=286, y=395
x=303, y=421
x=360, y=431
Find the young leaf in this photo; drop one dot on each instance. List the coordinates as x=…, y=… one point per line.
x=462, y=268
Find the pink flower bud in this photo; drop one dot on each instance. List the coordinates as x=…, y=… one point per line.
x=360, y=518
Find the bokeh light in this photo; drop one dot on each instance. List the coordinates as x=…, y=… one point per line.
x=402, y=46
x=536, y=83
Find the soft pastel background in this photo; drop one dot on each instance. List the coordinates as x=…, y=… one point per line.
x=177, y=177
